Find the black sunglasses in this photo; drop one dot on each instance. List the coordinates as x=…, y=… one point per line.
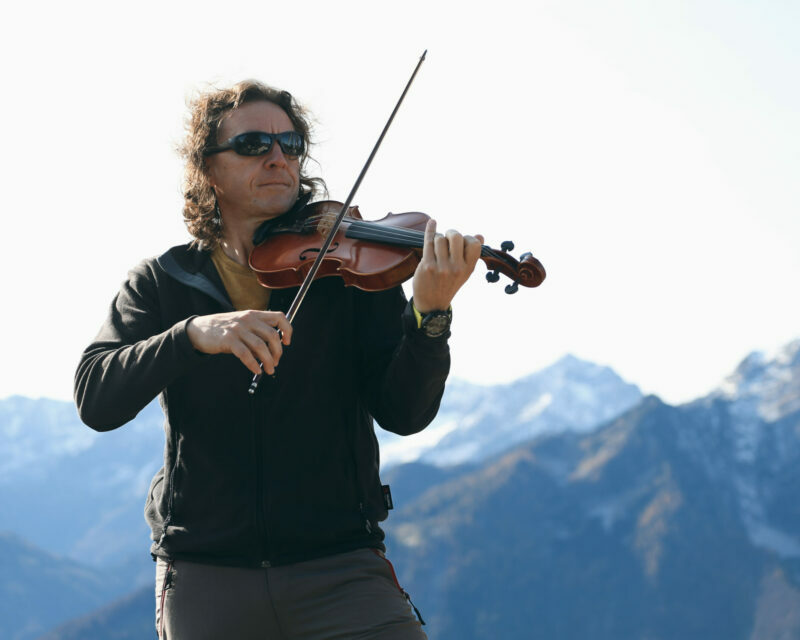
x=259, y=143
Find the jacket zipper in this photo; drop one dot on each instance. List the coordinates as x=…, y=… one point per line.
x=261, y=521
x=170, y=489
x=278, y=302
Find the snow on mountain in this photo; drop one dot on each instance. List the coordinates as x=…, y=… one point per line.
x=764, y=388
x=757, y=397
x=476, y=422
x=767, y=385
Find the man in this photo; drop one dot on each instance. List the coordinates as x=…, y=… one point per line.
x=265, y=515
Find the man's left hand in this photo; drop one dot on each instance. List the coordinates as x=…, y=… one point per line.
x=447, y=262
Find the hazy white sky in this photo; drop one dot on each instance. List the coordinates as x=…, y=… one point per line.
x=647, y=153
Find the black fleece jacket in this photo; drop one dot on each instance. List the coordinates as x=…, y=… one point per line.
x=290, y=473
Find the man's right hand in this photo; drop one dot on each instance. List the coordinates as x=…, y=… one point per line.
x=252, y=336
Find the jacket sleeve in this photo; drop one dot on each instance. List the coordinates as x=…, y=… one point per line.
x=133, y=358
x=402, y=371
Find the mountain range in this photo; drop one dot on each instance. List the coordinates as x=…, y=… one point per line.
x=563, y=505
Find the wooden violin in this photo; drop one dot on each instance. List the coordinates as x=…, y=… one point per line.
x=369, y=255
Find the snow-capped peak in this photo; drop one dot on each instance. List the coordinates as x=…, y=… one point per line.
x=767, y=385
x=475, y=422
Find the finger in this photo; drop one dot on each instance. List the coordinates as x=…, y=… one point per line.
x=263, y=351
x=472, y=248
x=456, y=246
x=442, y=248
x=285, y=328
x=247, y=358
x=274, y=342
x=276, y=319
x=428, y=250
x=269, y=338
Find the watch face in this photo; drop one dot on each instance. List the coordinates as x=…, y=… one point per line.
x=435, y=324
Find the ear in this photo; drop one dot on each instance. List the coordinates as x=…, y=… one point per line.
x=208, y=169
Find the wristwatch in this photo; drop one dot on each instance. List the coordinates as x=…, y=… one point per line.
x=436, y=323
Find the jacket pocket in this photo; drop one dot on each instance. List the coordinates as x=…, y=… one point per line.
x=169, y=488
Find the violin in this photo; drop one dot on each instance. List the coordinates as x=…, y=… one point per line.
x=369, y=255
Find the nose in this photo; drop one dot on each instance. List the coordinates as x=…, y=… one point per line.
x=275, y=157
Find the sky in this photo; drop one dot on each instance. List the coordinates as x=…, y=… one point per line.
x=646, y=153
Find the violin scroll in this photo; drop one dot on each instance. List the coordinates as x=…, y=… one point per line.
x=527, y=271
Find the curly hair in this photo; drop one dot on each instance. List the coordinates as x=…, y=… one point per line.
x=206, y=111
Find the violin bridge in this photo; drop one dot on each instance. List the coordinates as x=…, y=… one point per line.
x=328, y=218
x=325, y=224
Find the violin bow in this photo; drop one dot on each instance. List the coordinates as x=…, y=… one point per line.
x=301, y=293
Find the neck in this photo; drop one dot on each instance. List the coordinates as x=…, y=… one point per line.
x=237, y=239
x=238, y=227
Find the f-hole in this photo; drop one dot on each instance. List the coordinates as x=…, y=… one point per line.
x=333, y=247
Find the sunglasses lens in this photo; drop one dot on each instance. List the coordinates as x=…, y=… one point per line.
x=291, y=143
x=254, y=143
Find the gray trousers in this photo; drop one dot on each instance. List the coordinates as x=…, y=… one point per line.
x=349, y=595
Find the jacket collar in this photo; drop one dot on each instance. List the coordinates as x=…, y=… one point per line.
x=193, y=267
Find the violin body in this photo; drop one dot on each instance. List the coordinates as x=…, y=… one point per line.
x=286, y=256
x=373, y=256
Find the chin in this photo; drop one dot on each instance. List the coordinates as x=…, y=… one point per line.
x=274, y=207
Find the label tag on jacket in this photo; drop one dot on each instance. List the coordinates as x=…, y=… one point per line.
x=387, y=497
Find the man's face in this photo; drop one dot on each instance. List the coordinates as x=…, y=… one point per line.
x=254, y=187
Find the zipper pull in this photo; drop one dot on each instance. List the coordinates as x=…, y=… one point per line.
x=368, y=525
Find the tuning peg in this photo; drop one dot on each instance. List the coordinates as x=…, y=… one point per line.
x=525, y=256
x=492, y=276
x=512, y=288
x=507, y=245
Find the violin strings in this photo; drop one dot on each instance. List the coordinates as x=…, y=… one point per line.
x=377, y=232
x=373, y=231
x=367, y=230
x=370, y=230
